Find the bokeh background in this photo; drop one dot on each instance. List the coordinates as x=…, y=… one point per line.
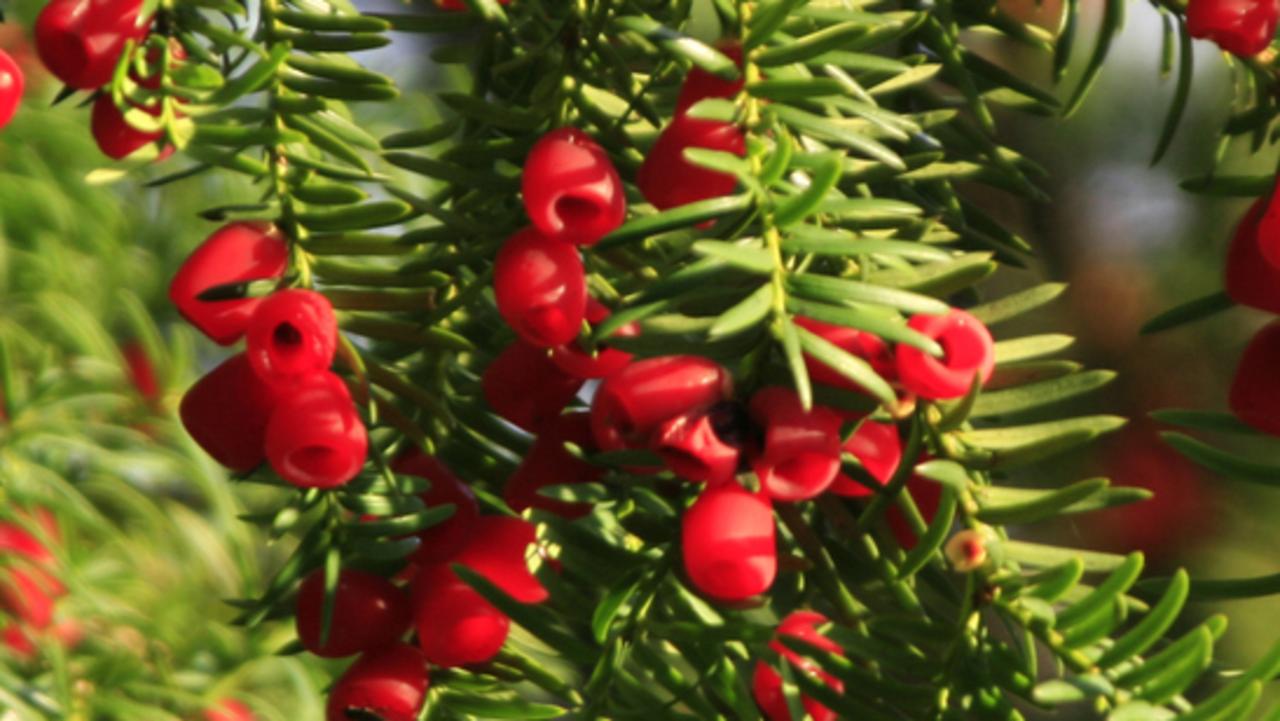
x=1121, y=231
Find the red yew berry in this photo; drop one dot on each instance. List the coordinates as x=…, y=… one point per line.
x=800, y=457
x=17, y=641
x=315, y=438
x=226, y=413
x=236, y=253
x=116, y=138
x=968, y=351
x=228, y=709
x=667, y=180
x=572, y=192
x=1240, y=27
x=80, y=41
x=728, y=543
x=456, y=626
x=443, y=540
x=867, y=346
x=766, y=683
x=548, y=463
x=28, y=593
x=12, y=83
x=1255, y=390
x=702, y=85
x=369, y=612
x=541, y=288
x=1252, y=275
x=633, y=402
x=389, y=684
x=605, y=361
x=702, y=445
x=523, y=386
x=879, y=449
x=292, y=334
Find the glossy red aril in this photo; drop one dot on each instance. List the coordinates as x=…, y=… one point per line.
x=523, y=386
x=1240, y=27
x=455, y=625
x=228, y=709
x=703, y=445
x=116, y=138
x=369, y=612
x=968, y=351
x=548, y=463
x=389, y=684
x=766, y=683
x=878, y=448
x=605, y=361
x=443, y=540
x=236, y=253
x=292, y=334
x=728, y=543
x=800, y=456
x=12, y=83
x=1252, y=273
x=866, y=346
x=80, y=41
x=1255, y=389
x=633, y=402
x=315, y=438
x=702, y=85
x=541, y=288
x=667, y=180
x=226, y=412
x=572, y=192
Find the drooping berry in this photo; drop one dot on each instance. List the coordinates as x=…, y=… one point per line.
x=548, y=463
x=633, y=402
x=526, y=388
x=668, y=180
x=237, y=253
x=877, y=446
x=1255, y=389
x=443, y=540
x=116, y=138
x=766, y=683
x=702, y=445
x=572, y=192
x=80, y=41
x=541, y=288
x=728, y=543
x=1252, y=271
x=968, y=351
x=369, y=612
x=12, y=84
x=1240, y=27
x=292, y=334
x=227, y=411
x=866, y=346
x=800, y=457
x=389, y=684
x=315, y=438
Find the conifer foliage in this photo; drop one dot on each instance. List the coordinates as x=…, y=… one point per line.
x=659, y=377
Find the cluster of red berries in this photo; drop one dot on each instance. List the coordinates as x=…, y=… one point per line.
x=453, y=624
x=81, y=41
x=277, y=401
x=29, y=590
x=1240, y=27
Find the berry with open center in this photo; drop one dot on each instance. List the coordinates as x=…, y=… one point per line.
x=315, y=438
x=968, y=352
x=572, y=192
x=541, y=288
x=292, y=334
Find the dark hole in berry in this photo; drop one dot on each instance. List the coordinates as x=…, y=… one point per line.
x=732, y=424
x=287, y=336
x=573, y=211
